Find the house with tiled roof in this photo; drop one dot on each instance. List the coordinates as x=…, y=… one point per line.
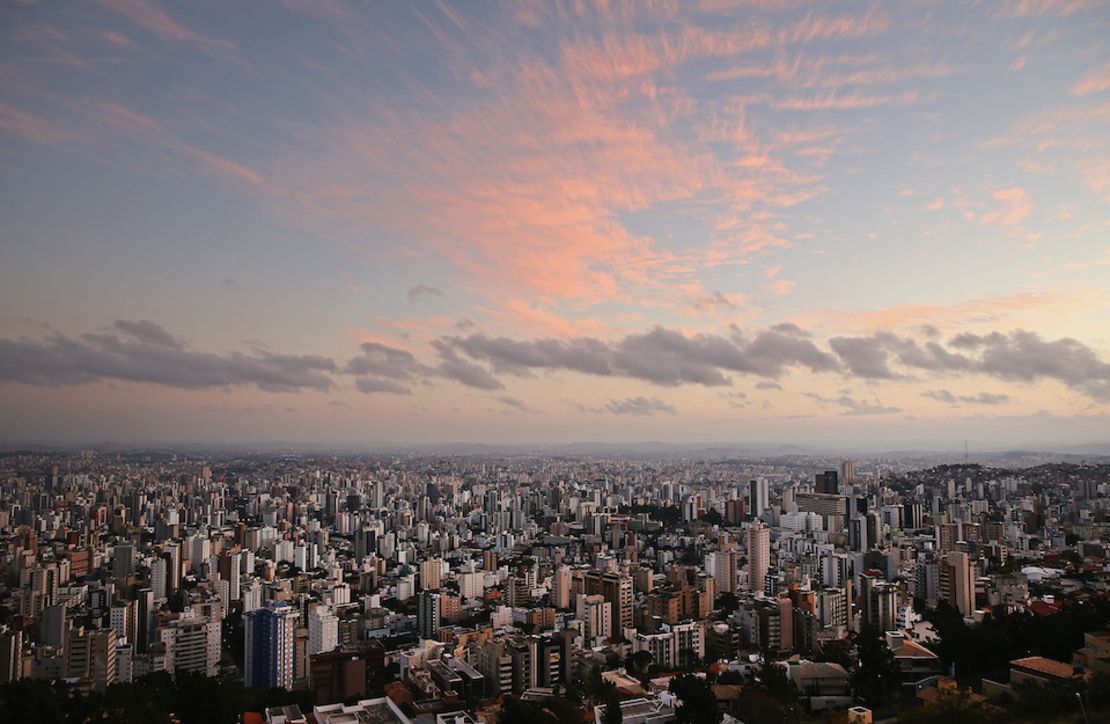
x=1037, y=670
x=919, y=666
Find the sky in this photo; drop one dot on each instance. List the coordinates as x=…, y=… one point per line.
x=540, y=222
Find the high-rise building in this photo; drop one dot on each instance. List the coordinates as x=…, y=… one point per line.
x=595, y=613
x=194, y=643
x=616, y=589
x=323, y=630
x=124, y=620
x=759, y=556
x=878, y=601
x=560, y=588
x=144, y=622
x=158, y=578
x=725, y=565
x=957, y=582
x=827, y=483
x=759, y=496
x=54, y=626
x=428, y=611
x=430, y=574
x=11, y=655
x=268, y=643
x=123, y=560
x=91, y=655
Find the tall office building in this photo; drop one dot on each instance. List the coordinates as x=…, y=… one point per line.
x=11, y=656
x=158, y=572
x=123, y=560
x=827, y=483
x=428, y=610
x=759, y=556
x=268, y=643
x=144, y=622
x=759, y=496
x=848, y=471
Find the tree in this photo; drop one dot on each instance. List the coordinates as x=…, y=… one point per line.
x=515, y=711
x=949, y=708
x=876, y=674
x=639, y=661
x=774, y=681
x=727, y=602
x=698, y=706
x=592, y=684
x=612, y=702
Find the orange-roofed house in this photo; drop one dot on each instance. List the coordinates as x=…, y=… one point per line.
x=1040, y=670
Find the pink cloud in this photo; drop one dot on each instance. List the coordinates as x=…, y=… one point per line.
x=1015, y=206
x=1021, y=307
x=153, y=18
x=34, y=128
x=783, y=286
x=1096, y=81
x=845, y=101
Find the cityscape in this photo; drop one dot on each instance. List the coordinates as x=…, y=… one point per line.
x=555, y=362
x=463, y=588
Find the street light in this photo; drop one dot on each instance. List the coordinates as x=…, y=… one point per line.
x=1082, y=708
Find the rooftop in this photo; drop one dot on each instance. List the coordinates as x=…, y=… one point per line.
x=1045, y=666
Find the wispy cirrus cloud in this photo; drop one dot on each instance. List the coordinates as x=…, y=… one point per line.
x=1014, y=206
x=152, y=17
x=1096, y=81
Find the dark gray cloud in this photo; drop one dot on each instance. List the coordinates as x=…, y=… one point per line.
x=983, y=398
x=864, y=356
x=716, y=299
x=369, y=385
x=851, y=406
x=380, y=360
x=147, y=353
x=381, y=368
x=1018, y=356
x=1025, y=357
x=586, y=355
x=738, y=400
x=640, y=406
x=143, y=351
x=455, y=368
x=420, y=291
x=516, y=404
x=660, y=356
x=146, y=331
